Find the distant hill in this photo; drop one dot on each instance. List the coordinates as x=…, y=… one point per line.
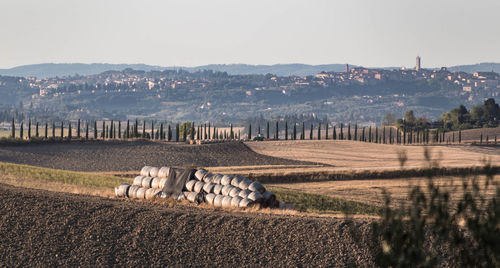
x=66, y=69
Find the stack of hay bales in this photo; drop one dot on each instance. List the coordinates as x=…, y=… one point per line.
x=215, y=189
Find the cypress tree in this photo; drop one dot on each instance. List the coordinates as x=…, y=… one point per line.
x=107, y=134
x=95, y=130
x=13, y=128
x=460, y=136
x=250, y=131
x=311, y=132
x=29, y=129
x=46, y=130
x=319, y=131
x=119, y=129
x=267, y=130
x=404, y=134
x=258, y=129
x=481, y=140
x=487, y=140
x=78, y=129
x=204, y=131
x=326, y=129
x=53, y=129
x=341, y=131
x=184, y=134
x=21, y=134
x=198, y=133
x=36, y=130
x=209, y=130
x=87, y=130
x=334, y=132
x=231, y=133
x=215, y=132
x=495, y=139
x=286, y=130
x=303, y=135
x=144, y=128
x=276, y=131
x=383, y=134
x=363, y=135
x=111, y=129
x=169, y=133
x=390, y=135
x=453, y=139
x=162, y=136
x=294, y=131
x=153, y=130
x=69, y=130
x=355, y=132
x=62, y=129
x=349, y=131
x=177, y=132
x=103, y=134
x=376, y=134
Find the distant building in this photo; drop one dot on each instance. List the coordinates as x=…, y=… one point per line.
x=347, y=68
x=418, y=66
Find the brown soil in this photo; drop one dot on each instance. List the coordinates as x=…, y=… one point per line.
x=133, y=155
x=41, y=228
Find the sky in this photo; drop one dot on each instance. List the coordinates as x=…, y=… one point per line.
x=370, y=33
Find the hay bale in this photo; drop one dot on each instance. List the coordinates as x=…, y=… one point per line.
x=245, y=203
x=151, y=193
x=226, y=189
x=235, y=202
x=193, y=197
x=236, y=181
x=244, y=193
x=146, y=182
x=138, y=180
x=209, y=198
x=208, y=178
x=218, y=200
x=200, y=173
x=217, y=178
x=226, y=179
x=208, y=187
x=256, y=187
x=141, y=193
x=190, y=185
x=132, y=191
x=256, y=197
x=244, y=184
x=198, y=186
x=153, y=172
x=163, y=172
x=269, y=199
x=122, y=190
x=155, y=182
x=226, y=201
x=179, y=197
x=234, y=192
x=162, y=183
x=217, y=189
x=145, y=171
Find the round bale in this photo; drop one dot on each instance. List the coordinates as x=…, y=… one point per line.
x=256, y=187
x=244, y=184
x=218, y=200
x=244, y=193
x=226, y=180
x=235, y=202
x=217, y=178
x=226, y=189
x=198, y=186
x=145, y=171
x=226, y=201
x=190, y=185
x=245, y=203
x=153, y=172
x=236, y=181
x=141, y=193
x=209, y=198
x=155, y=183
x=146, y=182
x=256, y=197
x=138, y=180
x=122, y=190
x=234, y=192
x=208, y=177
x=162, y=183
x=163, y=172
x=200, y=173
x=208, y=187
x=218, y=189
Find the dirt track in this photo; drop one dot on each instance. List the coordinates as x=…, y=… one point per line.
x=126, y=156
x=41, y=228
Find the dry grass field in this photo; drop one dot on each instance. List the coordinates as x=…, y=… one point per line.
x=370, y=191
x=352, y=155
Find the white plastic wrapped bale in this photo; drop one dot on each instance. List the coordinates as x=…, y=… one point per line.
x=146, y=182
x=244, y=184
x=226, y=201
x=193, y=197
x=163, y=172
x=245, y=203
x=132, y=191
x=198, y=186
x=218, y=200
x=218, y=189
x=256, y=187
x=209, y=199
x=235, y=202
x=208, y=187
x=226, y=180
x=151, y=193
x=122, y=190
x=256, y=197
x=234, y=192
x=244, y=193
x=138, y=180
x=190, y=185
x=155, y=183
x=200, y=173
x=217, y=178
x=141, y=193
x=145, y=171
x=153, y=172
x=226, y=189
x=162, y=183
x=236, y=181
x=208, y=178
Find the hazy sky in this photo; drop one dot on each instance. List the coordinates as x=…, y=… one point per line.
x=198, y=32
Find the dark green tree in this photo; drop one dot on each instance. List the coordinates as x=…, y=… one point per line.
x=95, y=130
x=69, y=130
x=21, y=131
x=311, y=132
x=349, y=131
x=341, y=131
x=267, y=130
x=231, y=133
x=249, y=131
x=46, y=130
x=13, y=128
x=29, y=129
x=319, y=131
x=144, y=128
x=355, y=132
x=62, y=130
x=152, y=130
x=169, y=133
x=294, y=131
x=286, y=130
x=119, y=129
x=78, y=129
x=303, y=133
x=53, y=129
x=277, y=131
x=87, y=130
